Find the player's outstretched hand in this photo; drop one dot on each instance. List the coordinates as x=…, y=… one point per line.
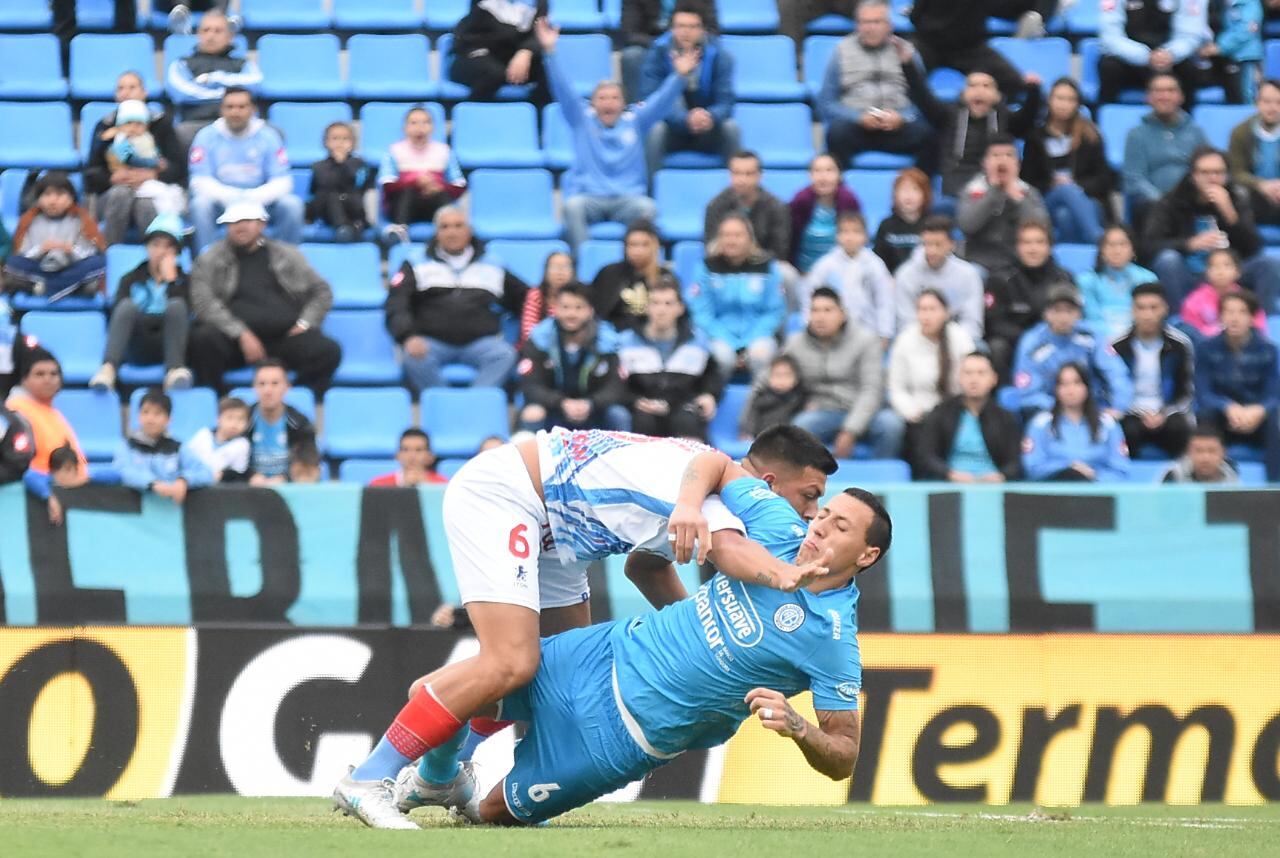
x=801, y=575
x=686, y=528
x=774, y=712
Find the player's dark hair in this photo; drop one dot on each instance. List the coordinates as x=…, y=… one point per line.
x=63, y=457
x=880, y=531
x=793, y=446
x=415, y=432
x=157, y=397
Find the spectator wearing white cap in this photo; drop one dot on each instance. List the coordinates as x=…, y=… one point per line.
x=240, y=157
x=118, y=187
x=254, y=298
x=150, y=318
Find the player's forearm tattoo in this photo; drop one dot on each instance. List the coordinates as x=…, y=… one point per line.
x=764, y=578
x=795, y=724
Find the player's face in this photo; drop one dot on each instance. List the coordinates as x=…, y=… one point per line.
x=841, y=527
x=800, y=487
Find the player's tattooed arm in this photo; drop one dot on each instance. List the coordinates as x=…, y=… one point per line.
x=739, y=557
x=706, y=474
x=830, y=747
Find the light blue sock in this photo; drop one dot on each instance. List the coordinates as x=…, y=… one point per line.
x=384, y=762
x=440, y=764
x=474, y=740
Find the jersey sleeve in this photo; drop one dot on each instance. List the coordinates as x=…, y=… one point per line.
x=768, y=518
x=719, y=517
x=835, y=673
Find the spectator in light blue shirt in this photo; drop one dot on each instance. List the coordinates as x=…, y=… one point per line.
x=151, y=461
x=608, y=180
x=1075, y=442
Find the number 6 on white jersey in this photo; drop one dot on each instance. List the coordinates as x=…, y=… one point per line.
x=542, y=792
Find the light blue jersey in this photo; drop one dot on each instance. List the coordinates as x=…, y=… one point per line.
x=683, y=672
x=614, y=701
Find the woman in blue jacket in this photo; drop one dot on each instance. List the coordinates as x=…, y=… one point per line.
x=1108, y=289
x=1075, y=442
x=736, y=299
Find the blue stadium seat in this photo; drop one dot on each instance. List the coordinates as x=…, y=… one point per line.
x=588, y=59
x=442, y=15
x=300, y=67
x=873, y=160
x=95, y=417
x=557, y=142
x=612, y=10
x=1082, y=19
x=946, y=84
x=1271, y=58
x=1252, y=473
x=121, y=259
x=361, y=471
x=607, y=230
x=353, y=271
x=815, y=56
x=784, y=184
x=523, y=258
x=11, y=182
x=1114, y=122
x=1273, y=327
x=45, y=140
x=1076, y=258
x=496, y=135
x=302, y=126
x=872, y=471
x=458, y=419
x=451, y=91
x=368, y=352
x=747, y=16
x=364, y=16
x=1217, y=120
x=596, y=254
x=23, y=15
x=1147, y=471
x=781, y=134
x=390, y=67
x=837, y=25
x=448, y=467
x=1050, y=58
x=382, y=123
x=513, y=204
x=301, y=398
x=274, y=16
x=90, y=115
x=764, y=68
x=682, y=197
x=32, y=67
x=193, y=410
x=577, y=16
x=723, y=430
x=364, y=423
x=98, y=59
x=685, y=258
x=77, y=339
x=874, y=189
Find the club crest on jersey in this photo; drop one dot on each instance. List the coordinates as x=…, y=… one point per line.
x=789, y=617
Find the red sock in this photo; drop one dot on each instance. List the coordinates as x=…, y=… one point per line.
x=488, y=726
x=422, y=724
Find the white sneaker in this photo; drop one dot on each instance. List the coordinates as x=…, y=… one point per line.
x=412, y=791
x=1030, y=26
x=178, y=378
x=371, y=802
x=180, y=20
x=104, y=378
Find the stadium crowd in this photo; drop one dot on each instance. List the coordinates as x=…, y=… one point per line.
x=928, y=319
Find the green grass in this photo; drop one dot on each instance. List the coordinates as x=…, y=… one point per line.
x=274, y=828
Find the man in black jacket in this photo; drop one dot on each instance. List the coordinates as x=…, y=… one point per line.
x=444, y=310
x=1161, y=361
x=569, y=369
x=1203, y=212
x=1015, y=296
x=494, y=45
x=118, y=202
x=671, y=376
x=275, y=427
x=969, y=438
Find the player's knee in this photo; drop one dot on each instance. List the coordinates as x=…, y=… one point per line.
x=417, y=686
x=513, y=669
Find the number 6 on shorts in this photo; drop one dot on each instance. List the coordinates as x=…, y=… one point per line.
x=517, y=544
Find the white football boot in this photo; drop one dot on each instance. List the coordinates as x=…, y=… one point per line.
x=371, y=802
x=412, y=791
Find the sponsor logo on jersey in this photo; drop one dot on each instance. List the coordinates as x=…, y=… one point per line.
x=836, y=624
x=789, y=617
x=847, y=691
x=737, y=612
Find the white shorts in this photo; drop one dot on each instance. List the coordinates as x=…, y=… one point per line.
x=500, y=539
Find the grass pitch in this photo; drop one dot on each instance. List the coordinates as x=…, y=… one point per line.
x=273, y=828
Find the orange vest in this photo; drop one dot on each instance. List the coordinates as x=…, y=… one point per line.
x=50, y=428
